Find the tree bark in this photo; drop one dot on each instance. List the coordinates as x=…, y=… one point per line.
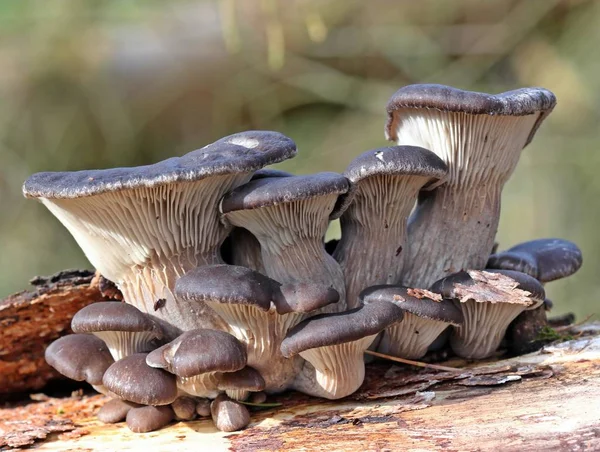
x=548, y=400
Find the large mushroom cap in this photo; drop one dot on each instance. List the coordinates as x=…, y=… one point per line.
x=113, y=316
x=241, y=152
x=520, y=102
x=544, y=259
x=133, y=380
x=332, y=329
x=227, y=284
x=421, y=303
x=277, y=190
x=270, y=172
x=80, y=357
x=304, y=297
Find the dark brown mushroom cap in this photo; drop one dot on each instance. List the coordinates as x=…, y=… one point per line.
x=447, y=286
x=149, y=418
x=229, y=415
x=415, y=301
x=231, y=284
x=200, y=351
x=520, y=102
x=246, y=379
x=115, y=410
x=80, y=357
x=544, y=259
x=238, y=153
x=133, y=380
x=325, y=330
x=113, y=316
x=277, y=190
x=304, y=297
x=396, y=160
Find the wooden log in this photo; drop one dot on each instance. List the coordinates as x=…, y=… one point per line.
x=31, y=320
x=548, y=400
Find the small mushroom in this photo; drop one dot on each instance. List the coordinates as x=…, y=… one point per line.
x=197, y=373
x=115, y=410
x=123, y=328
x=489, y=301
x=259, y=312
x=229, y=415
x=203, y=408
x=333, y=346
x=80, y=357
x=289, y=217
x=133, y=380
x=480, y=137
x=238, y=385
x=149, y=418
x=426, y=316
x=184, y=408
x=143, y=227
x=385, y=183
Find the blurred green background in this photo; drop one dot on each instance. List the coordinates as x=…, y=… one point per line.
x=95, y=84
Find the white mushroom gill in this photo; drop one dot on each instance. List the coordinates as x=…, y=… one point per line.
x=291, y=239
x=372, y=248
x=334, y=371
x=143, y=239
x=125, y=343
x=203, y=385
x=454, y=227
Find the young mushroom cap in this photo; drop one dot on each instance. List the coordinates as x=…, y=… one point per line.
x=133, y=380
x=426, y=316
x=480, y=137
x=334, y=345
x=490, y=300
x=143, y=227
x=289, y=217
x=385, y=183
x=80, y=357
x=124, y=328
x=115, y=410
x=184, y=408
x=229, y=415
x=149, y=418
x=544, y=259
x=238, y=385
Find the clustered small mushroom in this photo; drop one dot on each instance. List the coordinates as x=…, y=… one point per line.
x=230, y=293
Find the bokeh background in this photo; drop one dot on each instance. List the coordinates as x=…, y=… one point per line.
x=95, y=84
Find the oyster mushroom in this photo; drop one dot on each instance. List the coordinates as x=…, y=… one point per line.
x=258, y=311
x=289, y=217
x=143, y=227
x=480, y=137
x=426, y=316
x=229, y=415
x=149, y=418
x=197, y=357
x=238, y=385
x=123, y=328
x=489, y=301
x=333, y=346
x=115, y=410
x=385, y=183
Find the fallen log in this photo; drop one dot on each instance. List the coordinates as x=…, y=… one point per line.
x=31, y=320
x=548, y=400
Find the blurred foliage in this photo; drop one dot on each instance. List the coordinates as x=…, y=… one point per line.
x=115, y=83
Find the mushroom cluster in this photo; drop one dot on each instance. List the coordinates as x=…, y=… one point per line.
x=230, y=292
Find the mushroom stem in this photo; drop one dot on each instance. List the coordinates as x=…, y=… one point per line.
x=334, y=371
x=452, y=228
x=483, y=329
x=410, y=338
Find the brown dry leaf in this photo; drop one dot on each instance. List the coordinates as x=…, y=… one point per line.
x=491, y=288
x=422, y=293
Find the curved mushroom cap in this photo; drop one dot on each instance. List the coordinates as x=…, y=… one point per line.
x=200, y=351
x=227, y=284
x=494, y=286
x=149, y=418
x=279, y=190
x=80, y=357
x=544, y=259
x=304, y=297
x=520, y=102
x=246, y=379
x=113, y=316
x=270, y=172
x=133, y=380
x=419, y=302
x=325, y=330
x=241, y=152
x=115, y=410
x=396, y=160
x=229, y=415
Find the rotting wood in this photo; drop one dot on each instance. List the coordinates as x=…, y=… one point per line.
x=548, y=400
x=31, y=320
